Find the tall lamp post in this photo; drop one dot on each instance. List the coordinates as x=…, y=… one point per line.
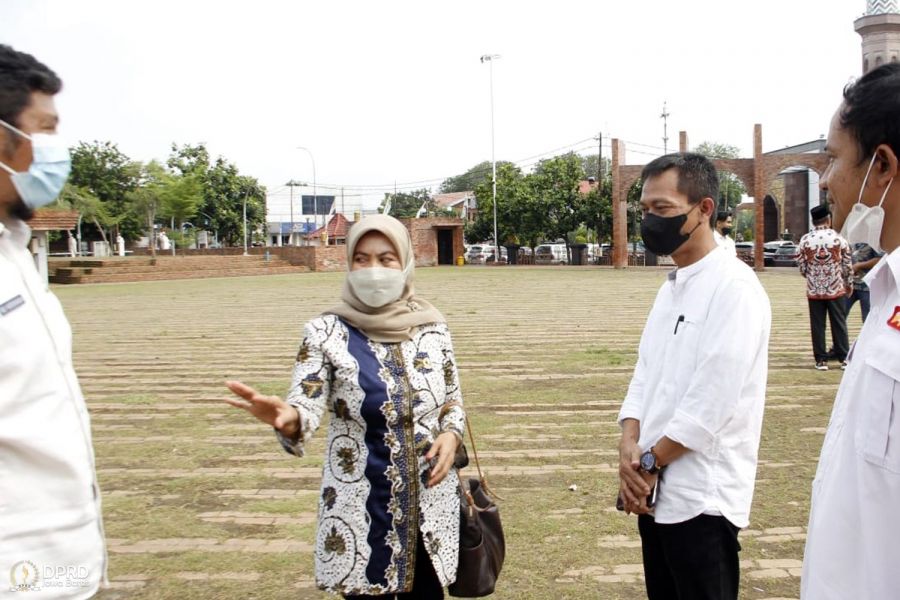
x=245, y=223
x=292, y=184
x=490, y=58
x=315, y=195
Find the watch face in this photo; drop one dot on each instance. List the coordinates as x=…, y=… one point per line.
x=648, y=461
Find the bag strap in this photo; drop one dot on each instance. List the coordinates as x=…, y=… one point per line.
x=445, y=408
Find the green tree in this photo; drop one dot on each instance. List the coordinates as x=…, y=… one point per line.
x=596, y=210
x=471, y=179
x=730, y=187
x=590, y=165
x=518, y=220
x=224, y=192
x=107, y=174
x=180, y=197
x=89, y=206
x=555, y=182
x=146, y=199
x=408, y=205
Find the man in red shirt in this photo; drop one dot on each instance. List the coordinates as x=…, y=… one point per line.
x=824, y=259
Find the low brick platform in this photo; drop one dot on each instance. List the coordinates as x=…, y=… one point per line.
x=117, y=270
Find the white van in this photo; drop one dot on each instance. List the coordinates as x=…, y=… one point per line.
x=551, y=254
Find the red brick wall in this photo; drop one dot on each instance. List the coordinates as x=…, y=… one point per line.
x=424, y=238
x=316, y=258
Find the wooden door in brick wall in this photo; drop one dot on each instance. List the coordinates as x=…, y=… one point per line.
x=445, y=246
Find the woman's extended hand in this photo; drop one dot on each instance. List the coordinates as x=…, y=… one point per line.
x=444, y=448
x=271, y=410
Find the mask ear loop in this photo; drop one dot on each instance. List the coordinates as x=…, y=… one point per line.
x=886, y=190
x=862, y=188
x=17, y=131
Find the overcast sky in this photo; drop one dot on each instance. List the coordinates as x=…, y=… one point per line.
x=385, y=92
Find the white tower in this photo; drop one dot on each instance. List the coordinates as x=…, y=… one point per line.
x=880, y=31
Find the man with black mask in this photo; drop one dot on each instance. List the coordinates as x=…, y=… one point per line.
x=723, y=232
x=690, y=437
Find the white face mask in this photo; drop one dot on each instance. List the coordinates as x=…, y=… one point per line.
x=50, y=166
x=377, y=286
x=863, y=224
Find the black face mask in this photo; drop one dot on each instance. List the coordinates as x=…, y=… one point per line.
x=727, y=231
x=662, y=235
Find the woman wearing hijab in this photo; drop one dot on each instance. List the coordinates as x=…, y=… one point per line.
x=381, y=363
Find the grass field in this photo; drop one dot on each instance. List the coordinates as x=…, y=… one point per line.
x=201, y=502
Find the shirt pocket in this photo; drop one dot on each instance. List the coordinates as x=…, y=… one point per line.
x=685, y=343
x=877, y=435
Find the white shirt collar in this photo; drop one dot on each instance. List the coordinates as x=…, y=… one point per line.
x=682, y=275
x=17, y=229
x=891, y=262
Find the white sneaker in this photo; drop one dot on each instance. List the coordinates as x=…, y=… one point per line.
x=821, y=366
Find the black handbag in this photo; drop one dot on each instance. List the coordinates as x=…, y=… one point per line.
x=482, y=546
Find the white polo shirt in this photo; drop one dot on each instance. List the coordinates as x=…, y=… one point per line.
x=853, y=541
x=49, y=499
x=700, y=380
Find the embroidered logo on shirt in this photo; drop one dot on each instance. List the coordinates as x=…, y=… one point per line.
x=895, y=320
x=11, y=305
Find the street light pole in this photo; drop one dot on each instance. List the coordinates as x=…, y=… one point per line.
x=490, y=58
x=291, y=184
x=245, y=223
x=315, y=195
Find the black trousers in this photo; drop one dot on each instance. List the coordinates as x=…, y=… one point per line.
x=837, y=315
x=693, y=560
x=426, y=585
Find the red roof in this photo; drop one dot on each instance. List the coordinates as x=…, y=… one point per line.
x=46, y=219
x=451, y=199
x=337, y=227
x=586, y=185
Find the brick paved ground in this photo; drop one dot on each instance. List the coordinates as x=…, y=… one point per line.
x=201, y=503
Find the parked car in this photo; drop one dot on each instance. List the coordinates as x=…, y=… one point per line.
x=551, y=254
x=478, y=253
x=770, y=248
x=785, y=256
x=491, y=256
x=745, y=251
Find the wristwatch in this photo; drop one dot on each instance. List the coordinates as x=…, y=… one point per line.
x=649, y=462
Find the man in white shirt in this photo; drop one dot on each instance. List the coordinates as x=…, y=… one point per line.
x=683, y=424
x=853, y=541
x=723, y=232
x=51, y=538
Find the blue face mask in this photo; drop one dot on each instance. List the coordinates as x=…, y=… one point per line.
x=50, y=166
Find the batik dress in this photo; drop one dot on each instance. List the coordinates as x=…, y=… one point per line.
x=387, y=402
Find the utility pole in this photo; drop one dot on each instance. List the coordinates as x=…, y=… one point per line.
x=665, y=117
x=342, y=202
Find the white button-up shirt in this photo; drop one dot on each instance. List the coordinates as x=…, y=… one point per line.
x=853, y=542
x=49, y=500
x=725, y=242
x=700, y=380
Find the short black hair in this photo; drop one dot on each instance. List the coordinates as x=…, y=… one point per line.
x=871, y=109
x=697, y=177
x=21, y=75
x=821, y=220
x=722, y=215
